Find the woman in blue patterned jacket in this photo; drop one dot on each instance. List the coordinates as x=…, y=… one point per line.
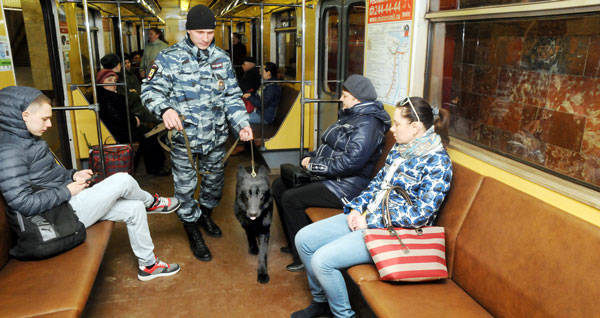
x=420, y=165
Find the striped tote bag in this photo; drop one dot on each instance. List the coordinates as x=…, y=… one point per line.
x=407, y=255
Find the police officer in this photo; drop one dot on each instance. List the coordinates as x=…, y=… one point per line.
x=194, y=78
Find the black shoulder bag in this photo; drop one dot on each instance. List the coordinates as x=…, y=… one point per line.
x=294, y=176
x=47, y=234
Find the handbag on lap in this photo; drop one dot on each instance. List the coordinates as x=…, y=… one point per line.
x=294, y=176
x=407, y=255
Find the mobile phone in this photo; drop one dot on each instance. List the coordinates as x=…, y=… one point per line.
x=95, y=175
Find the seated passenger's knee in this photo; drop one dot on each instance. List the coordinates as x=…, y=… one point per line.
x=121, y=178
x=137, y=212
x=319, y=261
x=300, y=240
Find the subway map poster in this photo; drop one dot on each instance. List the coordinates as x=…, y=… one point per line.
x=389, y=34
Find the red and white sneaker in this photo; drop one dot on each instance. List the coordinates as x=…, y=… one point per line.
x=163, y=205
x=159, y=269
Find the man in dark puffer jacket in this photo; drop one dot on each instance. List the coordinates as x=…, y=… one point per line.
x=347, y=156
x=26, y=163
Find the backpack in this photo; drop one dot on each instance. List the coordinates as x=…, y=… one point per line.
x=46, y=234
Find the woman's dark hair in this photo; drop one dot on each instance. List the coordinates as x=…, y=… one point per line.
x=272, y=68
x=127, y=57
x=424, y=112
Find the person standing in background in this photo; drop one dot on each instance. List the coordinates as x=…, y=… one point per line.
x=239, y=52
x=156, y=43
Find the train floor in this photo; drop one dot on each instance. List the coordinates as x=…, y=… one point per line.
x=223, y=287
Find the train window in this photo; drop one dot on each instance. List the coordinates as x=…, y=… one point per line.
x=15, y=25
x=356, y=38
x=285, y=19
x=525, y=88
x=240, y=27
x=83, y=43
x=331, y=48
x=440, y=5
x=285, y=32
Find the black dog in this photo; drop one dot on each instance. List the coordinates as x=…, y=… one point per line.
x=254, y=209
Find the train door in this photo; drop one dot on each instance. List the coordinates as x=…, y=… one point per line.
x=341, y=52
x=31, y=36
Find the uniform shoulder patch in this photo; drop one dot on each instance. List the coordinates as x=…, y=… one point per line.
x=152, y=71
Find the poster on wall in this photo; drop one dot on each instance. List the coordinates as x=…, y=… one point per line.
x=5, y=59
x=387, y=61
x=63, y=29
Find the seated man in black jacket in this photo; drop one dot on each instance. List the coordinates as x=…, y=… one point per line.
x=114, y=116
x=26, y=164
x=347, y=156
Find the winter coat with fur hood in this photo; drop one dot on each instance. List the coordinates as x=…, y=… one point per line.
x=25, y=160
x=350, y=149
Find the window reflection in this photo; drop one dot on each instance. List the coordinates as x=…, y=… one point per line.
x=285, y=32
x=356, y=38
x=331, y=49
x=526, y=88
x=441, y=5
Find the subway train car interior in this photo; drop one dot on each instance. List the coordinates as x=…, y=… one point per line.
x=210, y=146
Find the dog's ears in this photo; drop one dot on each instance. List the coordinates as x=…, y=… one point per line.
x=263, y=171
x=242, y=172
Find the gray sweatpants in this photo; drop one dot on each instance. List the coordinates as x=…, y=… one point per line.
x=119, y=198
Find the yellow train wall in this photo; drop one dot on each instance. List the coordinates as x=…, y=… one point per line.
x=7, y=77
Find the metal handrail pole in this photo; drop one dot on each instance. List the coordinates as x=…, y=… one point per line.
x=93, y=80
x=99, y=1
x=285, y=81
x=93, y=107
x=312, y=101
x=143, y=35
x=302, y=102
x=231, y=38
x=234, y=17
x=223, y=35
x=124, y=72
x=88, y=85
x=274, y=4
x=262, y=95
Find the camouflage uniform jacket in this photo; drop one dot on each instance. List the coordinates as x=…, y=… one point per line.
x=200, y=85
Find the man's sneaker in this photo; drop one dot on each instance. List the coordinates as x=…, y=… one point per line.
x=163, y=205
x=159, y=269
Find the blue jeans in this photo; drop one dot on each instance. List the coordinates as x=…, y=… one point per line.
x=254, y=118
x=325, y=247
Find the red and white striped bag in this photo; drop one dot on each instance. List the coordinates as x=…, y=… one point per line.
x=407, y=255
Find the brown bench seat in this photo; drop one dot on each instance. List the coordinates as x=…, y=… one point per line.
x=288, y=97
x=54, y=287
x=509, y=255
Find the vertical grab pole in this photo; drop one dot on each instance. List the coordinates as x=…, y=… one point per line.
x=93, y=81
x=223, y=35
x=123, y=71
x=231, y=38
x=303, y=54
x=143, y=35
x=262, y=95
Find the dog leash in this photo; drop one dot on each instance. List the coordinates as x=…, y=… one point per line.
x=253, y=174
x=162, y=130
